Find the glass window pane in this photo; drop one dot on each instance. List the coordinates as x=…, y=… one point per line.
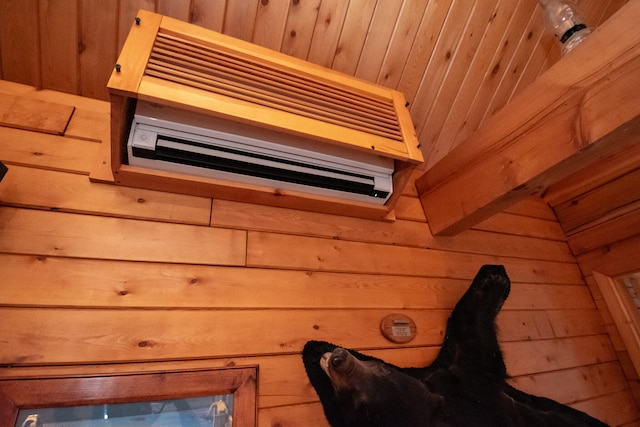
x=209, y=411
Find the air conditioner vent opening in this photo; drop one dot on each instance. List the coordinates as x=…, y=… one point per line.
x=166, y=139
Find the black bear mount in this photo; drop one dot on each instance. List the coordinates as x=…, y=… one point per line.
x=464, y=387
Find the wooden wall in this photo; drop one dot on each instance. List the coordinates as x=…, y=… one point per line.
x=457, y=62
x=599, y=210
x=99, y=278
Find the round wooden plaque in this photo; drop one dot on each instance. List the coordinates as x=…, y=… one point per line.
x=398, y=328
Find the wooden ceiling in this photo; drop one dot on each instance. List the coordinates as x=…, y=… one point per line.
x=457, y=62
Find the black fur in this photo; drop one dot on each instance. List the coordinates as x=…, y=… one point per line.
x=464, y=387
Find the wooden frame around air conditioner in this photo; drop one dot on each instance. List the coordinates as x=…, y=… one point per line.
x=133, y=79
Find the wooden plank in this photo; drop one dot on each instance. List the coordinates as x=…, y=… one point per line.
x=624, y=313
x=553, y=297
x=178, y=9
x=97, y=50
x=488, y=243
x=329, y=26
x=613, y=259
x=298, y=31
x=376, y=44
x=354, y=32
x=614, y=409
x=20, y=50
x=410, y=209
x=506, y=155
x=527, y=45
x=522, y=226
x=478, y=30
x=101, y=171
x=273, y=250
x=208, y=14
x=616, y=226
x=271, y=19
x=80, y=102
x=566, y=323
x=103, y=283
x=184, y=334
x=239, y=18
x=519, y=325
x=66, y=192
x=290, y=221
x=448, y=119
x=533, y=207
x=496, y=74
x=575, y=384
x=406, y=69
x=601, y=201
x=33, y=115
x=301, y=415
x=47, y=151
x=406, y=36
x=439, y=65
x=64, y=234
x=608, y=169
x=66, y=336
x=89, y=125
x=525, y=358
x=58, y=33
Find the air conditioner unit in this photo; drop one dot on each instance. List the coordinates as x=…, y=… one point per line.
x=198, y=112
x=173, y=140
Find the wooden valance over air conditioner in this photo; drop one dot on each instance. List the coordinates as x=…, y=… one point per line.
x=180, y=65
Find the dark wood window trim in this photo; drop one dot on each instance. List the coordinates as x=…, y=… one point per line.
x=16, y=394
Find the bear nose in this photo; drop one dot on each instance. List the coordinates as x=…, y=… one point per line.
x=338, y=357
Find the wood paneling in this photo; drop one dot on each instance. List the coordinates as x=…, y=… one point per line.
x=457, y=62
x=582, y=110
x=102, y=279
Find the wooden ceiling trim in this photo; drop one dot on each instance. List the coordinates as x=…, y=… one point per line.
x=586, y=105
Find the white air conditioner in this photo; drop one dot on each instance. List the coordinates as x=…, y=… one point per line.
x=174, y=140
x=198, y=112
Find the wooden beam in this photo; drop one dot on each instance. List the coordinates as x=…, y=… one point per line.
x=584, y=108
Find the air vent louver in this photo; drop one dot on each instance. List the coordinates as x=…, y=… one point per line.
x=204, y=67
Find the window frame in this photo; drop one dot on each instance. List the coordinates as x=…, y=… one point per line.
x=77, y=390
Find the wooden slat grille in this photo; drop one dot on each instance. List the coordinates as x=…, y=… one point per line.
x=194, y=64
